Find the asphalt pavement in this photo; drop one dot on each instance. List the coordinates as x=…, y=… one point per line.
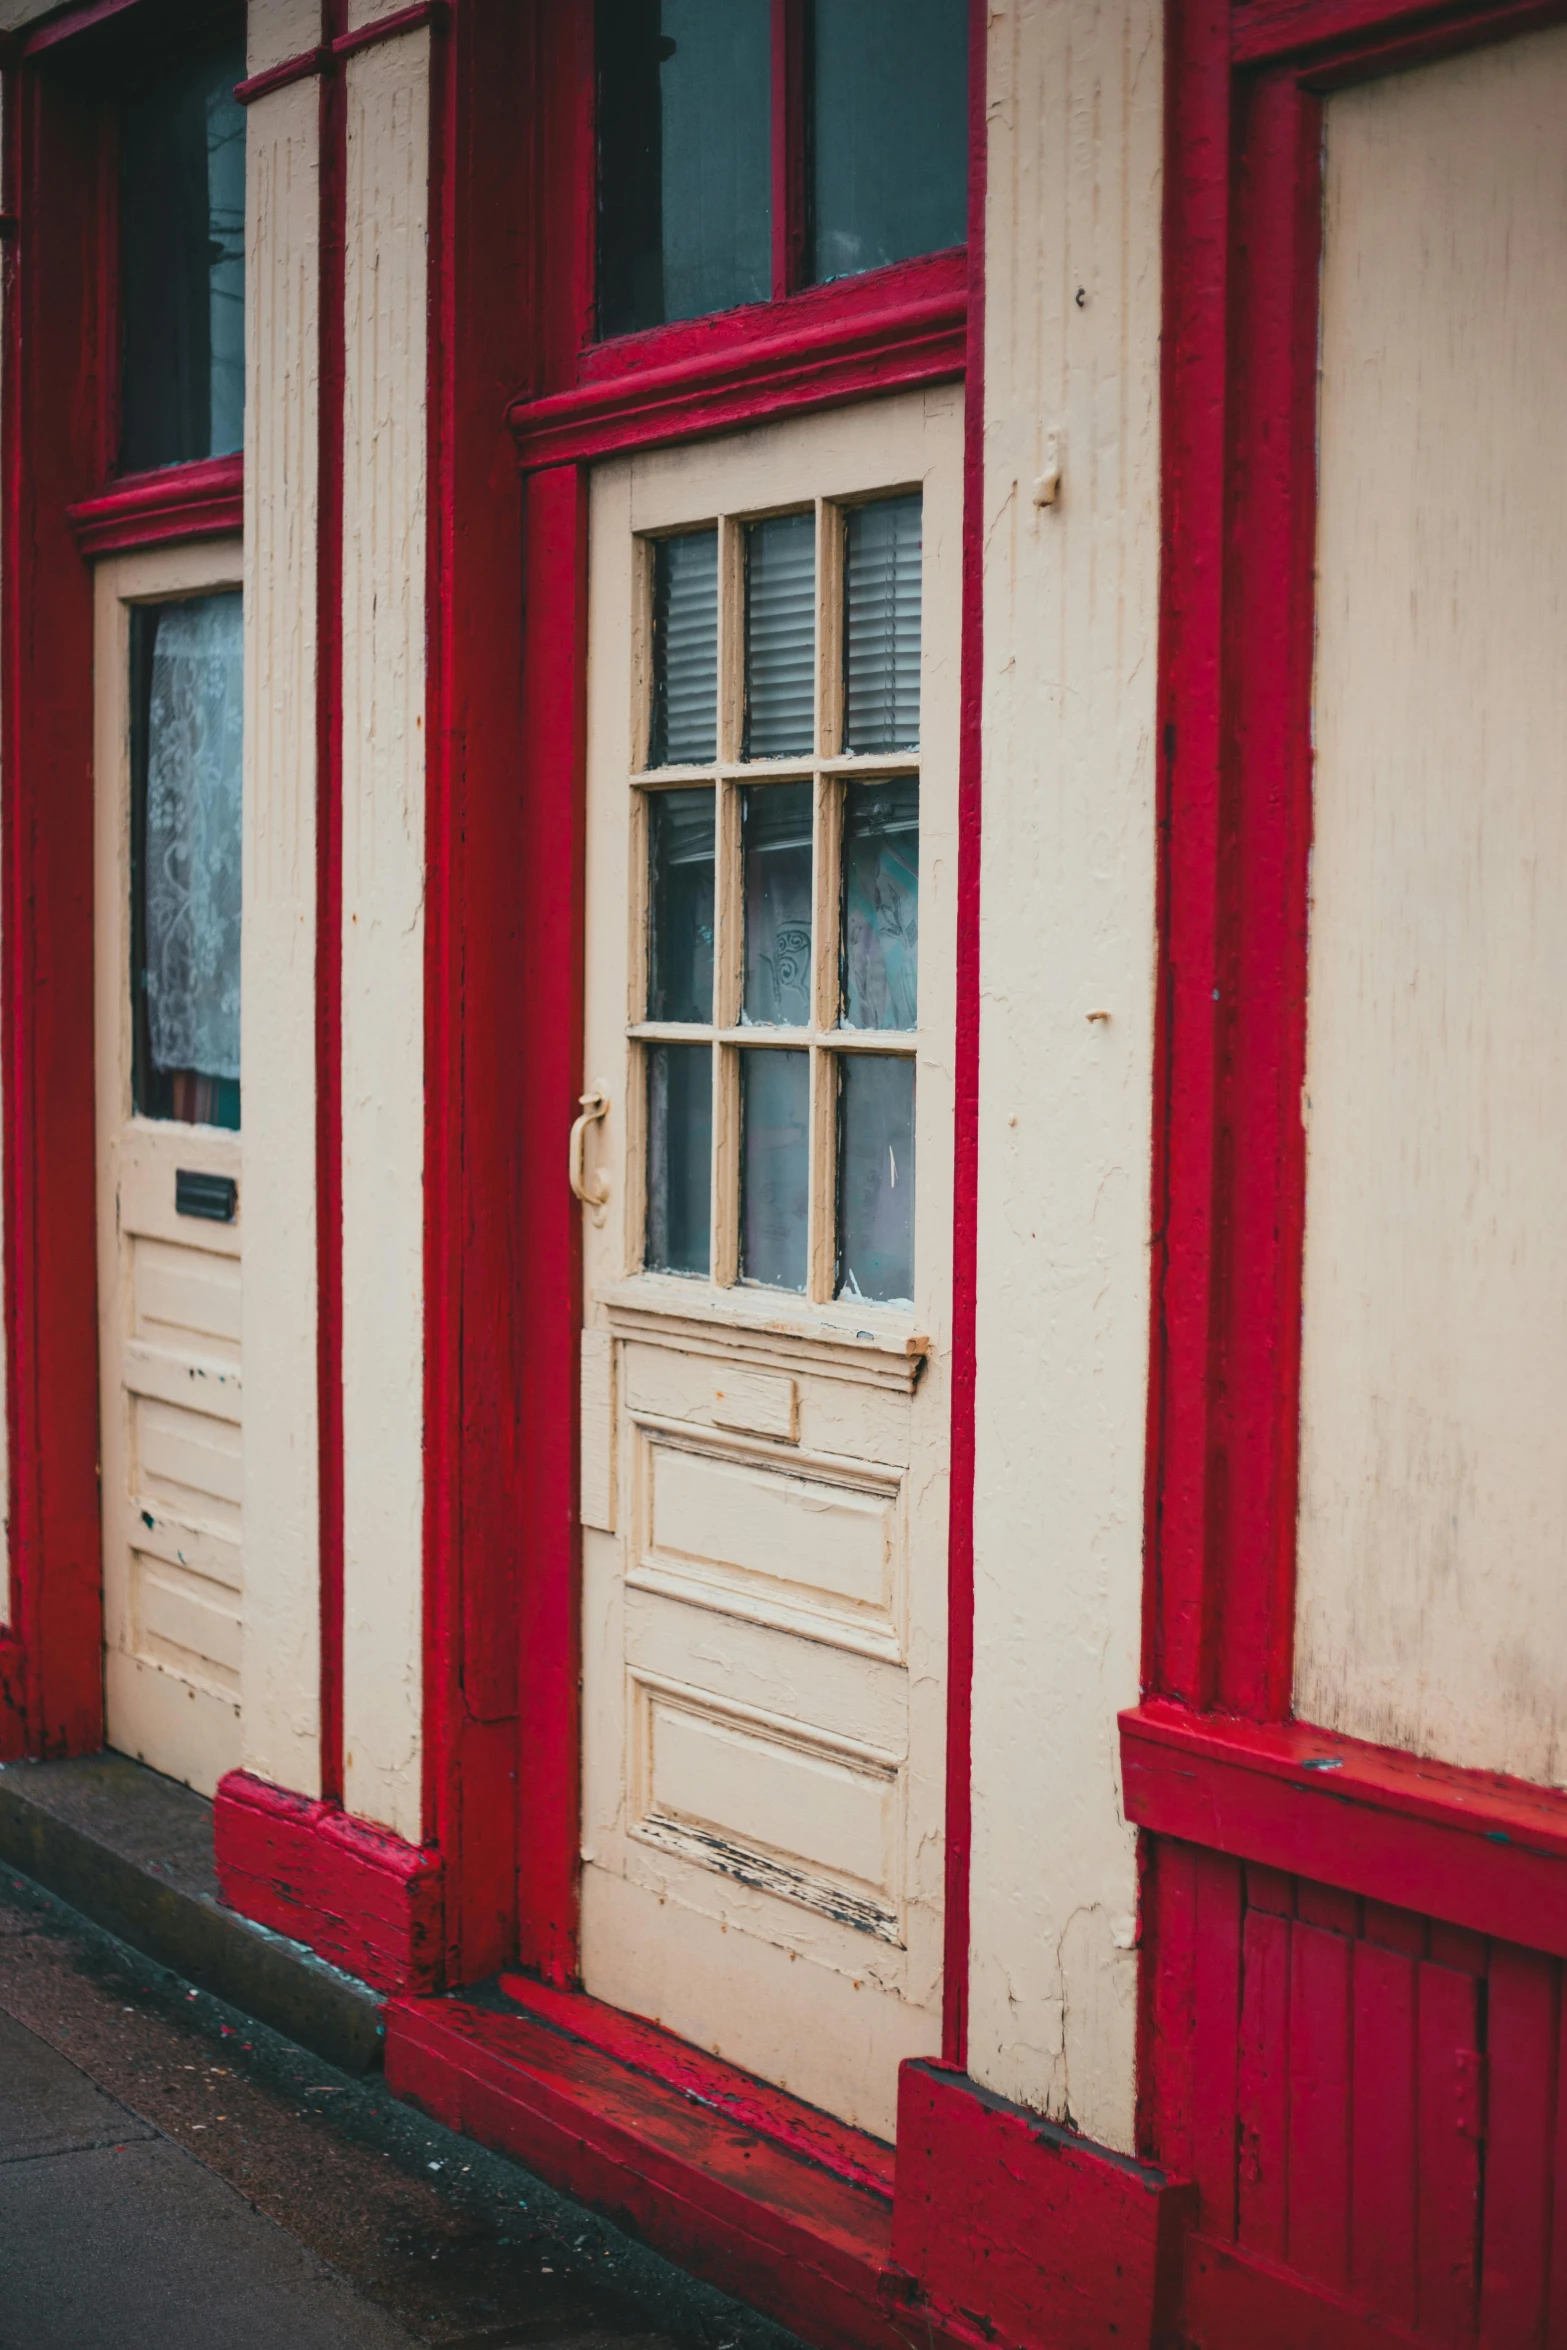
x=175, y=2177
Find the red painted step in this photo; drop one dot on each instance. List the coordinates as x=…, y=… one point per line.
x=701, y=2169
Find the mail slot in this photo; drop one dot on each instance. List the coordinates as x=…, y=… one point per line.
x=198, y=1194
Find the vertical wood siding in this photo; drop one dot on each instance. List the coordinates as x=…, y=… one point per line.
x=384, y=552
x=1066, y=928
x=280, y=1687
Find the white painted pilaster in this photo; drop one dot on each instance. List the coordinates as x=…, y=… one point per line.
x=1067, y=929
x=281, y=1671
x=388, y=105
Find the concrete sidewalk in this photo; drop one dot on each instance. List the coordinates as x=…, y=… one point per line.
x=114, y=2238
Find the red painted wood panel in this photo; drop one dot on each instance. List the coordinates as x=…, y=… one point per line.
x=1556, y=2326
x=1216, y=2039
x=1521, y=2049
x=1319, y=2104
x=1263, y=2090
x=1235, y=2300
x=1384, y=2210
x=1326, y=1905
x=1448, y=2183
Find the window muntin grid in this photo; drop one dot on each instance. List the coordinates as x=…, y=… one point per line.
x=808, y=1180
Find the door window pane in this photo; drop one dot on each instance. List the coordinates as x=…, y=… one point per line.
x=881, y=904
x=679, y=1157
x=876, y=1178
x=685, y=650
x=775, y=1100
x=780, y=637
x=776, y=830
x=889, y=132
x=186, y=852
x=680, y=948
x=685, y=159
x=182, y=211
x=881, y=625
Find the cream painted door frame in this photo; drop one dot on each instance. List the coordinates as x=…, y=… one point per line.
x=171, y=1463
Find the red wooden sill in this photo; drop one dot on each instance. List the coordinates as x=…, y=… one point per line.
x=1471, y=1847
x=157, y=509
x=808, y=352
x=707, y=2080
x=811, y=2249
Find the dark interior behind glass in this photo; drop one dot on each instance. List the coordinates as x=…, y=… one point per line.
x=887, y=131
x=182, y=247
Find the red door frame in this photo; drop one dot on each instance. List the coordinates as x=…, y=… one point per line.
x=1328, y=1832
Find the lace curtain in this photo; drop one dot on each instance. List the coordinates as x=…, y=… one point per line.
x=192, y=851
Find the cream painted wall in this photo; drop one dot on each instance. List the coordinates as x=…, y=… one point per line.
x=1067, y=929
x=388, y=101
x=281, y=1671
x=1433, y=1515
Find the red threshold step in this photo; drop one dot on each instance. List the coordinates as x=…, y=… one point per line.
x=742, y=2185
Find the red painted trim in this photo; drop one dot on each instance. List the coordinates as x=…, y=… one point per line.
x=1469, y=1847
x=965, y=1138
x=58, y=364
x=551, y=923
x=805, y=2247
x=1234, y=2300
x=281, y=77
x=1374, y=36
x=329, y=913
x=433, y=13
x=1013, y=2227
x=160, y=509
x=353, y=1893
x=725, y=2091
x=68, y=23
x=825, y=359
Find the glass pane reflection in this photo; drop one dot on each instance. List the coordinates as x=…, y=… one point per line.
x=881, y=631
x=889, y=122
x=680, y=861
x=876, y=1178
x=780, y=637
x=685, y=650
x=881, y=904
x=775, y=1097
x=777, y=838
x=679, y=1157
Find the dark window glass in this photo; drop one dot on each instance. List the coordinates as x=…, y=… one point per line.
x=888, y=132
x=186, y=767
x=775, y=1102
x=680, y=886
x=684, y=732
x=881, y=904
x=881, y=625
x=780, y=637
x=875, y=1177
x=182, y=211
x=776, y=831
x=679, y=1157
x=685, y=159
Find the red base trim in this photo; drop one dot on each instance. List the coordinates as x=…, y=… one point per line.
x=354, y=1894
x=1235, y=2302
x=733, y=2095
x=808, y=2248
x=154, y=509
x=813, y=364
x=1014, y=2227
x=1469, y=1847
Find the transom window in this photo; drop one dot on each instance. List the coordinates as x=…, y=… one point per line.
x=748, y=148
x=778, y=999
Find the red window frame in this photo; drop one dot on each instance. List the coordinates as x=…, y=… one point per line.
x=1242, y=252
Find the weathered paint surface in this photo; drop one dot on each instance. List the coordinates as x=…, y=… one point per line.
x=1067, y=931
x=383, y=928
x=281, y=1663
x=1433, y=1510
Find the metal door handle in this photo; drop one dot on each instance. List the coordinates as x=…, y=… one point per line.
x=595, y=1105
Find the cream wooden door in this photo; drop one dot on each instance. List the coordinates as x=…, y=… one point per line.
x=168, y=693
x=773, y=724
